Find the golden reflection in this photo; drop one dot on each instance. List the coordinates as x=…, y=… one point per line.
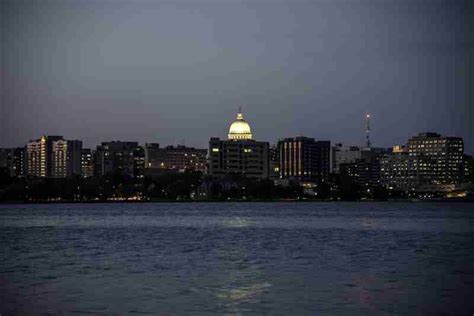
x=243, y=282
x=235, y=222
x=245, y=293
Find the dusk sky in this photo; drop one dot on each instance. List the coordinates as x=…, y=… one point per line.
x=174, y=71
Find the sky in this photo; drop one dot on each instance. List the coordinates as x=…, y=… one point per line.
x=175, y=72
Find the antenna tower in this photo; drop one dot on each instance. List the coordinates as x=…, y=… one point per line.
x=367, y=130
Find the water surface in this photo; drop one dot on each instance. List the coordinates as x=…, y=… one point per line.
x=242, y=258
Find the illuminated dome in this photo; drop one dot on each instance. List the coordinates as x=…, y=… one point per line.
x=240, y=129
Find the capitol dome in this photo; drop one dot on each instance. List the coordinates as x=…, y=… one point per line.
x=240, y=129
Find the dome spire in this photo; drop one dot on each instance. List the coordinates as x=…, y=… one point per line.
x=240, y=116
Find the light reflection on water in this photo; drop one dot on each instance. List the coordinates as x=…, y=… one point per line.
x=237, y=259
x=235, y=222
x=244, y=283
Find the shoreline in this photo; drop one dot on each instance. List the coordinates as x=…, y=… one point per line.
x=452, y=200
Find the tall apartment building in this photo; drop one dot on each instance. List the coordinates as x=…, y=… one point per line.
x=152, y=154
x=65, y=158
x=139, y=162
x=13, y=159
x=38, y=154
x=468, y=169
x=437, y=159
x=344, y=154
x=115, y=156
x=240, y=154
x=304, y=159
x=87, y=163
x=7, y=159
x=274, y=162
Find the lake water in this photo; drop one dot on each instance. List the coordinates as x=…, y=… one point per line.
x=237, y=258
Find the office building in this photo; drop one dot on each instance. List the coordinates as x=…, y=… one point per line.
x=438, y=159
x=240, y=154
x=304, y=159
x=175, y=158
x=397, y=170
x=365, y=173
x=344, y=154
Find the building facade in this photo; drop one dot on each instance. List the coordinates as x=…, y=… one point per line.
x=13, y=159
x=115, y=156
x=365, y=173
x=240, y=154
x=274, y=163
x=66, y=158
x=38, y=155
x=438, y=159
x=344, y=154
x=397, y=170
x=87, y=163
x=175, y=159
x=139, y=163
x=304, y=159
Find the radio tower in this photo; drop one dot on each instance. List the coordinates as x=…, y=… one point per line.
x=367, y=129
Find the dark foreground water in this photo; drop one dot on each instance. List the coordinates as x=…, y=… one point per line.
x=248, y=258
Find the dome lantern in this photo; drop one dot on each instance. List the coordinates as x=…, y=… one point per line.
x=240, y=129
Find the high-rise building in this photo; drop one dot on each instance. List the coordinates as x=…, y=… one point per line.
x=7, y=160
x=152, y=154
x=19, y=162
x=240, y=154
x=87, y=163
x=175, y=159
x=468, y=169
x=344, y=154
x=39, y=156
x=304, y=159
x=365, y=173
x=65, y=158
x=13, y=159
x=438, y=159
x=274, y=167
x=18, y=167
x=139, y=162
x=397, y=170
x=115, y=156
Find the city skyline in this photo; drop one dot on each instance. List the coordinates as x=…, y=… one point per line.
x=183, y=142
x=164, y=72
x=228, y=157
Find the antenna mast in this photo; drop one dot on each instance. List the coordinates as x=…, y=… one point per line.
x=367, y=129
